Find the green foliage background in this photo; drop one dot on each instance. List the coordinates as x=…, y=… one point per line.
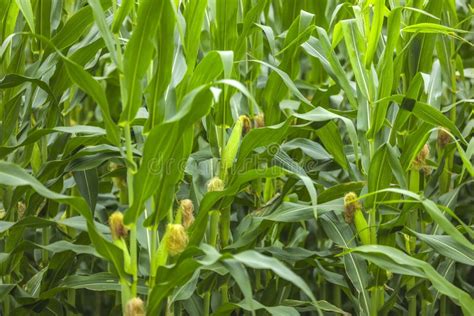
x=132, y=106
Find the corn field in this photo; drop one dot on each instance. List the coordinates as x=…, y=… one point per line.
x=236, y=157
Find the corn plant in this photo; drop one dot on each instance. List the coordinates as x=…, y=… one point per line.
x=236, y=157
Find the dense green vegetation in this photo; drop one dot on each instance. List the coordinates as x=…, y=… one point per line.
x=244, y=157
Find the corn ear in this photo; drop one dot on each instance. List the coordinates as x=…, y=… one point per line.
x=362, y=227
x=231, y=148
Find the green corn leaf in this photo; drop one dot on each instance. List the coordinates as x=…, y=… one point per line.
x=385, y=73
x=356, y=269
x=380, y=175
x=124, y=9
x=87, y=182
x=194, y=15
x=431, y=28
x=73, y=29
x=389, y=257
x=325, y=54
x=165, y=143
x=330, y=137
x=448, y=247
x=104, y=29
x=27, y=11
x=86, y=82
x=163, y=73
x=138, y=55
x=353, y=40
x=375, y=31
x=13, y=175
